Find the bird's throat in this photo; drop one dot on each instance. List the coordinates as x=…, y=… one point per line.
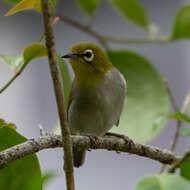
x=92, y=81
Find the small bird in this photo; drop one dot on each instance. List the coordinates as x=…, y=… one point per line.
x=97, y=94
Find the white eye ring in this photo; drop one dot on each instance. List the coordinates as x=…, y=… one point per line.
x=88, y=55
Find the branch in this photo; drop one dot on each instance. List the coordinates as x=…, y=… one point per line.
x=82, y=142
x=12, y=79
x=58, y=88
x=179, y=122
x=103, y=39
x=178, y=163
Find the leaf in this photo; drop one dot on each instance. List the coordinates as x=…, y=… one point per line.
x=156, y=124
x=48, y=176
x=188, y=108
x=66, y=78
x=20, y=173
x=146, y=100
x=17, y=1
x=185, y=131
x=133, y=11
x=163, y=182
x=12, y=60
x=25, y=4
x=180, y=116
x=35, y=50
x=181, y=27
x=88, y=6
x=185, y=169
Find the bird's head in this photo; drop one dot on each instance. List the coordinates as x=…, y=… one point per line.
x=89, y=63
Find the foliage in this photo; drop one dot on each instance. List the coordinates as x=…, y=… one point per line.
x=133, y=11
x=163, y=182
x=146, y=108
x=146, y=98
x=27, y=165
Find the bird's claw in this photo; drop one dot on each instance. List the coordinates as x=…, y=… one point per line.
x=93, y=139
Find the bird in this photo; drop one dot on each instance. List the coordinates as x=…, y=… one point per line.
x=97, y=94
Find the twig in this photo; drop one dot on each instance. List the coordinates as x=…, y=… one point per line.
x=172, y=99
x=83, y=142
x=23, y=65
x=183, y=110
x=54, y=22
x=178, y=163
x=103, y=39
x=58, y=88
x=13, y=77
x=179, y=122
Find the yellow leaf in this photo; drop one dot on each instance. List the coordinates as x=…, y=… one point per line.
x=25, y=4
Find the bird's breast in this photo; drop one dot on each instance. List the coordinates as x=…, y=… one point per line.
x=95, y=110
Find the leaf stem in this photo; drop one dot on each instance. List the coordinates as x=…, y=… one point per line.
x=23, y=65
x=58, y=88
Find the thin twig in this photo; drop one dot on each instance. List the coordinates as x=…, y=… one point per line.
x=22, y=66
x=178, y=163
x=58, y=88
x=177, y=133
x=179, y=122
x=110, y=143
x=12, y=79
x=171, y=96
x=54, y=22
x=103, y=39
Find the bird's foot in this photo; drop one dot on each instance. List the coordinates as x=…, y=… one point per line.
x=125, y=138
x=93, y=139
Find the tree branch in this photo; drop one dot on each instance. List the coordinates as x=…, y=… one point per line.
x=178, y=163
x=58, y=88
x=82, y=142
x=103, y=39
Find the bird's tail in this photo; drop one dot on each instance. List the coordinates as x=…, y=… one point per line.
x=78, y=157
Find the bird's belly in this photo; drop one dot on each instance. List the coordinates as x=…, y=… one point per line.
x=88, y=118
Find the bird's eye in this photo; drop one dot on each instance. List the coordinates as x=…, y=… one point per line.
x=88, y=55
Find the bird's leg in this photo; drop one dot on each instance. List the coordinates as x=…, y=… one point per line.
x=125, y=138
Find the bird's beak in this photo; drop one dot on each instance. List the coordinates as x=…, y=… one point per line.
x=70, y=55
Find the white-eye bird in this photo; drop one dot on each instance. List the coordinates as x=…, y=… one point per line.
x=97, y=94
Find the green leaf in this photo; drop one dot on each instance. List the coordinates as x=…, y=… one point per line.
x=17, y=1
x=185, y=169
x=146, y=100
x=45, y=179
x=22, y=172
x=181, y=27
x=163, y=182
x=35, y=50
x=66, y=78
x=180, y=116
x=185, y=131
x=156, y=124
x=188, y=108
x=88, y=6
x=12, y=60
x=25, y=4
x=133, y=11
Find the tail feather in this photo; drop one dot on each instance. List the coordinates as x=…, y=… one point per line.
x=78, y=157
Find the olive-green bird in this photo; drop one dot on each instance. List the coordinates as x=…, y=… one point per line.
x=97, y=94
